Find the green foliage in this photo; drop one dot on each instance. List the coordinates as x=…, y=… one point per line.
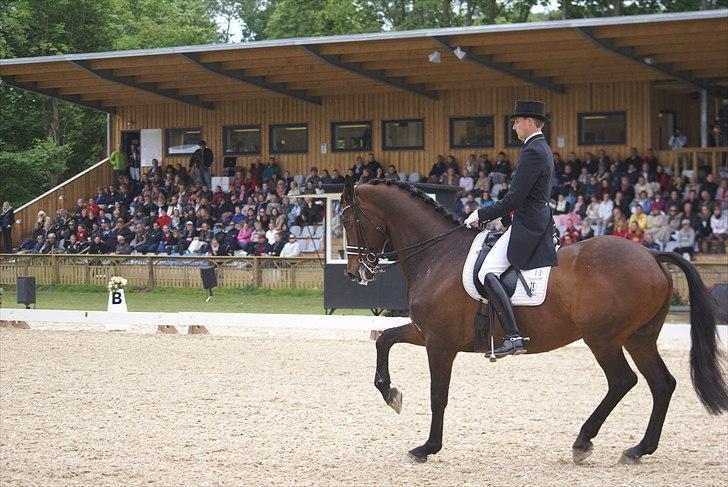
x=27, y=173
x=309, y=18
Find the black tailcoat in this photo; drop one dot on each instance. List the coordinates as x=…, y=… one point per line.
x=531, y=244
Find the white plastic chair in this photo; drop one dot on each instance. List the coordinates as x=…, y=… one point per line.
x=414, y=177
x=402, y=177
x=296, y=230
x=299, y=179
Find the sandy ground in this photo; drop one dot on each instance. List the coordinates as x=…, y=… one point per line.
x=274, y=407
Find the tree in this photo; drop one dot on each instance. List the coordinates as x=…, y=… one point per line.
x=304, y=18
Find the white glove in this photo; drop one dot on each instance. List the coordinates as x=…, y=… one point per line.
x=472, y=220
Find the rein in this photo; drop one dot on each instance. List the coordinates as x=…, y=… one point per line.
x=370, y=259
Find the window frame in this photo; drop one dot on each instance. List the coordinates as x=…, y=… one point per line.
x=233, y=127
x=396, y=148
x=507, y=132
x=167, y=137
x=271, y=128
x=579, y=125
x=452, y=121
x=360, y=122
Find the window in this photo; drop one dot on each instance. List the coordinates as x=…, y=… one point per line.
x=351, y=136
x=403, y=134
x=288, y=138
x=602, y=128
x=471, y=132
x=241, y=139
x=182, y=141
x=512, y=137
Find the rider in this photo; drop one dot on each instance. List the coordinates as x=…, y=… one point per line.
x=528, y=242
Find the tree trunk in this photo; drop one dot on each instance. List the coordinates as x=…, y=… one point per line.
x=491, y=12
x=446, y=14
x=53, y=121
x=617, y=7
x=469, y=11
x=565, y=8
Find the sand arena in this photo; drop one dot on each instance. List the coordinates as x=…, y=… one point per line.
x=277, y=407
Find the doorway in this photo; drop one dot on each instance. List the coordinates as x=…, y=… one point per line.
x=129, y=137
x=666, y=123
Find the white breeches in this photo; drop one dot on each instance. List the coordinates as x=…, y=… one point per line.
x=497, y=259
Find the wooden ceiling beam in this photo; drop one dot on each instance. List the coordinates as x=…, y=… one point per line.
x=628, y=53
x=486, y=61
x=108, y=74
x=128, y=62
x=688, y=27
x=10, y=80
x=335, y=60
x=262, y=82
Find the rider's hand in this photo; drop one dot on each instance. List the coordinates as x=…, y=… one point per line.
x=472, y=220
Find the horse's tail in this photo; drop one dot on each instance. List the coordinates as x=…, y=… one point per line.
x=706, y=368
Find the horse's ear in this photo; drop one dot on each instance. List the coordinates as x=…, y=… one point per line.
x=348, y=193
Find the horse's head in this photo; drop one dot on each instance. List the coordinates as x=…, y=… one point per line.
x=365, y=234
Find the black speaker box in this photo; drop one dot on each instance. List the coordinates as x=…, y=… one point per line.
x=26, y=290
x=209, y=278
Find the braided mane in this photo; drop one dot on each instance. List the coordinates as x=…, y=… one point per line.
x=420, y=194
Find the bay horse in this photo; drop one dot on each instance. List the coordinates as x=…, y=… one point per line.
x=608, y=291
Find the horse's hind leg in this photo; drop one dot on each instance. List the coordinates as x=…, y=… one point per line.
x=620, y=378
x=643, y=350
x=408, y=333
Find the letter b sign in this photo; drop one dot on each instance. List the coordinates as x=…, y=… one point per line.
x=116, y=297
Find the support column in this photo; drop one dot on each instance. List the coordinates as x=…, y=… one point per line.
x=703, y=118
x=108, y=134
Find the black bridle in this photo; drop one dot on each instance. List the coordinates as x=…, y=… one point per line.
x=367, y=257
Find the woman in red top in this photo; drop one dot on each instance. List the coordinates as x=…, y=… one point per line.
x=634, y=232
x=620, y=229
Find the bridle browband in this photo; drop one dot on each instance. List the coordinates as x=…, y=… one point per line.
x=369, y=258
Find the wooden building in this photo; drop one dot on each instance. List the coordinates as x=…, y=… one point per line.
x=610, y=83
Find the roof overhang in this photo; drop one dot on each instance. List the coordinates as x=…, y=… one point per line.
x=688, y=47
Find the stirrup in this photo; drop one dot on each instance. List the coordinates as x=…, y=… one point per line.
x=511, y=346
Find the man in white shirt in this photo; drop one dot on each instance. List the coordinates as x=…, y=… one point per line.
x=292, y=247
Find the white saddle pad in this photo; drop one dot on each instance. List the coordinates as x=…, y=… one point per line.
x=536, y=279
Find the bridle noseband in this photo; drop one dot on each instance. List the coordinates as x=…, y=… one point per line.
x=368, y=258
x=365, y=256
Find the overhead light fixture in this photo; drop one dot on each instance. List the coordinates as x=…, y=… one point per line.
x=649, y=60
x=460, y=53
x=435, y=57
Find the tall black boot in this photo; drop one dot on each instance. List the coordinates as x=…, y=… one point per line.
x=498, y=298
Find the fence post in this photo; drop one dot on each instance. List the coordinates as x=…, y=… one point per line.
x=257, y=277
x=292, y=276
x=55, y=271
x=150, y=280
x=87, y=271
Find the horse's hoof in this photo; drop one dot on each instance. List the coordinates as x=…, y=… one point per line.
x=410, y=459
x=629, y=457
x=395, y=400
x=581, y=454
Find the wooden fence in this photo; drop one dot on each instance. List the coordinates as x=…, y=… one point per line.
x=691, y=158
x=164, y=271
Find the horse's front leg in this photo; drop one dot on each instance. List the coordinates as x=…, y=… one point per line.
x=408, y=333
x=440, y=358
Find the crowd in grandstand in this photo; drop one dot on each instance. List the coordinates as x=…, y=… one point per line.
x=174, y=210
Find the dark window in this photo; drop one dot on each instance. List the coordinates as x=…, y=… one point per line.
x=241, y=139
x=182, y=142
x=403, y=134
x=288, y=138
x=602, y=128
x=512, y=137
x=471, y=132
x=351, y=136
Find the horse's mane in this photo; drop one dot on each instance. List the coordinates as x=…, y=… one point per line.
x=416, y=192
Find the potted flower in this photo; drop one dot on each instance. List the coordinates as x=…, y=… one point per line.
x=117, y=303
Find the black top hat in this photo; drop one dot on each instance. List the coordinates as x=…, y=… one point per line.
x=533, y=109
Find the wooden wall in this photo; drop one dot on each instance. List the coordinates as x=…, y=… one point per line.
x=632, y=97
x=65, y=195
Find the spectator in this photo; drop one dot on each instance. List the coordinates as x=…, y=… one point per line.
x=650, y=242
x=466, y=182
x=7, y=221
x=437, y=170
x=119, y=163
x=122, y=247
x=201, y=164
x=571, y=231
x=677, y=139
x=620, y=229
x=372, y=163
x=634, y=232
x=450, y=177
x=278, y=244
x=312, y=177
x=391, y=174
x=292, y=248
x=685, y=240
x=259, y=247
x=586, y=231
x=715, y=242
x=98, y=246
x=244, y=234
x=639, y=217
